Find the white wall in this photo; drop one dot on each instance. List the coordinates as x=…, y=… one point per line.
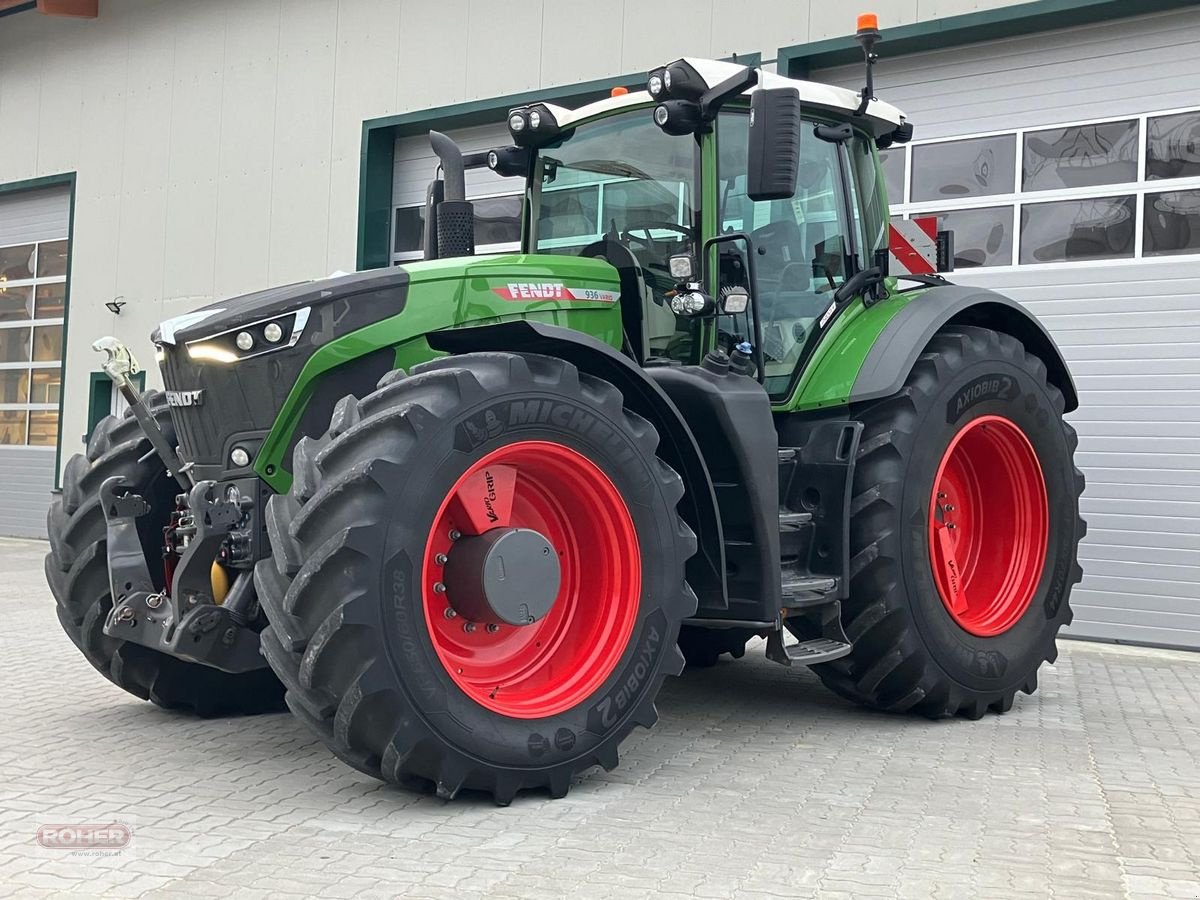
x=217, y=143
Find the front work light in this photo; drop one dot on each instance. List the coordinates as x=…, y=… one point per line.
x=734, y=299
x=532, y=125
x=677, y=117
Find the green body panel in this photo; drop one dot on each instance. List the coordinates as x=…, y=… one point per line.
x=828, y=378
x=452, y=293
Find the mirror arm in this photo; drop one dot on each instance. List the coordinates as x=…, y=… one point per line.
x=715, y=97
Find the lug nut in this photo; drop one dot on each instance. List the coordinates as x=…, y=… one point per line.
x=439, y=588
x=493, y=628
x=449, y=612
x=441, y=559
x=949, y=508
x=455, y=534
x=468, y=627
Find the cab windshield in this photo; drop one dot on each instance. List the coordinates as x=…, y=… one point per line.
x=621, y=180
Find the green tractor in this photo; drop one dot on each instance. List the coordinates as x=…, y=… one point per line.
x=465, y=515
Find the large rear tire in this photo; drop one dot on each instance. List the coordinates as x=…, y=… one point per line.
x=370, y=626
x=77, y=571
x=964, y=532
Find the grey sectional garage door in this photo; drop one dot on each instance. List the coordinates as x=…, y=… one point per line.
x=33, y=255
x=1067, y=164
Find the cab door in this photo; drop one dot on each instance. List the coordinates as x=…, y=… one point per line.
x=804, y=247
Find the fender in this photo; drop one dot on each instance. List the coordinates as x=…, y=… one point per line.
x=905, y=337
x=677, y=447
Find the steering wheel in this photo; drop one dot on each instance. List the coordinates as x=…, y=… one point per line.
x=648, y=241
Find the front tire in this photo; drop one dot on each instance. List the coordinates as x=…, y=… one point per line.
x=380, y=646
x=77, y=571
x=964, y=532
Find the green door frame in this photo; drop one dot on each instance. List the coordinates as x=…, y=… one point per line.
x=799, y=60
x=379, y=142
x=33, y=184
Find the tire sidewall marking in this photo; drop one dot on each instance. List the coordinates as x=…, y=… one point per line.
x=981, y=388
x=464, y=437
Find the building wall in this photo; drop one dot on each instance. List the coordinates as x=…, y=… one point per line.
x=217, y=143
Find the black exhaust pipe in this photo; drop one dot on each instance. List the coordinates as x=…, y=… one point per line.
x=455, y=213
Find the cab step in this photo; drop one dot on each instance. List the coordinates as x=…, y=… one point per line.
x=804, y=653
x=809, y=590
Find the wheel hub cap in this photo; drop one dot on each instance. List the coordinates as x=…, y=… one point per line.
x=505, y=576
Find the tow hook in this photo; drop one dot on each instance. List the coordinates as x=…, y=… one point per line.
x=119, y=363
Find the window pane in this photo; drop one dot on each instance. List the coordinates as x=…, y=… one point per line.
x=641, y=203
x=50, y=301
x=974, y=168
x=52, y=259
x=982, y=237
x=497, y=220
x=45, y=387
x=43, y=428
x=12, y=426
x=410, y=229
x=1080, y=156
x=14, y=345
x=1172, y=223
x=569, y=213
x=1173, y=146
x=14, y=386
x=893, y=174
x=16, y=304
x=47, y=343
x=1077, y=229
x=16, y=262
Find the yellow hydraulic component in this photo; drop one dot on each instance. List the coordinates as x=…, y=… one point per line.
x=220, y=582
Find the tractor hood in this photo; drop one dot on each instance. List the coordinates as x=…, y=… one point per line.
x=260, y=371
x=383, y=292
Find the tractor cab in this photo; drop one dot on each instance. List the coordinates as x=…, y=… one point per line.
x=719, y=245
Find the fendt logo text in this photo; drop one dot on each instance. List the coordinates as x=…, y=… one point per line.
x=108, y=836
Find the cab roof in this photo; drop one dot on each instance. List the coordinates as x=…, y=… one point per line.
x=883, y=117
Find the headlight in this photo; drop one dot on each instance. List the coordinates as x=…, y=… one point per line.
x=249, y=341
x=654, y=85
x=516, y=123
x=535, y=120
x=690, y=303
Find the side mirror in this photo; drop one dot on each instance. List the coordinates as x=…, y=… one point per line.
x=774, y=146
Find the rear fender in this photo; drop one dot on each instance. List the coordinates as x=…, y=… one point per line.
x=677, y=447
x=905, y=337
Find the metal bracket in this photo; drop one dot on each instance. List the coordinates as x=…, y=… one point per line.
x=185, y=623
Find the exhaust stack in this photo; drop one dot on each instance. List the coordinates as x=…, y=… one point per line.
x=455, y=214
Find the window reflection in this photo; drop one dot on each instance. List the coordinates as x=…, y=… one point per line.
x=972, y=168
x=1172, y=223
x=16, y=263
x=1069, y=230
x=1080, y=156
x=1173, y=146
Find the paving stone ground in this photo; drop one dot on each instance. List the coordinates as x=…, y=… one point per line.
x=756, y=783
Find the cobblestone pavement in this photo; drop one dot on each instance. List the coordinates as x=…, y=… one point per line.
x=756, y=783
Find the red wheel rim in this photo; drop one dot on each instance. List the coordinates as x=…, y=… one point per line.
x=542, y=669
x=988, y=526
